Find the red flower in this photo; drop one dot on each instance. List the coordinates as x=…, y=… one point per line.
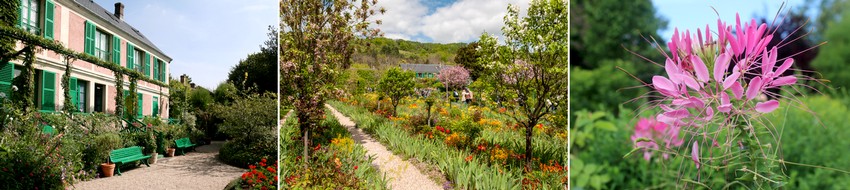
x=318, y=146
x=482, y=148
x=263, y=161
x=469, y=158
x=355, y=167
x=264, y=188
x=251, y=167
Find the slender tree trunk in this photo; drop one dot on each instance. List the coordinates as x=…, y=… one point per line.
x=528, y=129
x=428, y=117
x=306, y=138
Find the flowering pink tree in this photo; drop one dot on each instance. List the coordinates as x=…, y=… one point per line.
x=715, y=91
x=454, y=77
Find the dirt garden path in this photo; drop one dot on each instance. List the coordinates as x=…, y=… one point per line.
x=402, y=174
x=196, y=170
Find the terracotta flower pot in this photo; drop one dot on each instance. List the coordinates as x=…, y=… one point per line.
x=108, y=169
x=170, y=152
x=152, y=160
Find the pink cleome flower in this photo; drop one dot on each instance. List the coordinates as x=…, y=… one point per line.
x=719, y=72
x=649, y=133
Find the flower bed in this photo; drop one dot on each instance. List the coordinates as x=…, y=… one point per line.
x=335, y=162
x=460, y=147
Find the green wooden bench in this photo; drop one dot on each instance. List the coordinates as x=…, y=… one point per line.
x=184, y=143
x=127, y=155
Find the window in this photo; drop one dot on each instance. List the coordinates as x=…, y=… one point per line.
x=82, y=92
x=137, y=60
x=101, y=45
x=29, y=15
x=155, y=107
x=47, y=91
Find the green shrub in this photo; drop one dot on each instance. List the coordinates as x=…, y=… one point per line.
x=604, y=88
x=250, y=122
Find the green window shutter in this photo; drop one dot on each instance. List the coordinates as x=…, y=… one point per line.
x=21, y=15
x=72, y=89
x=48, y=19
x=141, y=103
x=130, y=50
x=7, y=72
x=156, y=69
x=116, y=50
x=155, y=106
x=48, y=91
x=89, y=38
x=147, y=66
x=162, y=73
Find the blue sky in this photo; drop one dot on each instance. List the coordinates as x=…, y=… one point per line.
x=205, y=38
x=444, y=21
x=693, y=14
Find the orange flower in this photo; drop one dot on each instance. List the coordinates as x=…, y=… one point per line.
x=469, y=158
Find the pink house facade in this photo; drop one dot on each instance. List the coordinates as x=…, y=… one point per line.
x=84, y=26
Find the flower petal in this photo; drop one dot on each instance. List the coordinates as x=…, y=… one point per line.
x=753, y=88
x=673, y=71
x=700, y=69
x=737, y=90
x=782, y=81
x=690, y=82
x=678, y=114
x=695, y=154
x=725, y=105
x=767, y=107
x=665, y=86
x=785, y=65
x=721, y=65
x=731, y=79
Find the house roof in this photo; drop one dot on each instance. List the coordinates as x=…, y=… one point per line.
x=423, y=68
x=104, y=14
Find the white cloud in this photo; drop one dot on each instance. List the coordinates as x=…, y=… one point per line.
x=402, y=19
x=461, y=21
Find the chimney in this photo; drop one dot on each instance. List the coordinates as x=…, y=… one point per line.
x=119, y=10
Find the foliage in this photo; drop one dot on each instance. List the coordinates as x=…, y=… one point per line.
x=463, y=169
x=257, y=73
x=225, y=93
x=397, y=84
x=604, y=88
x=340, y=163
x=178, y=99
x=595, y=36
x=467, y=56
x=314, y=47
x=533, y=63
x=832, y=59
x=250, y=122
x=382, y=53
x=201, y=99
x=454, y=77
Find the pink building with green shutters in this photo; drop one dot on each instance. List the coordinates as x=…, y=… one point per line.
x=84, y=26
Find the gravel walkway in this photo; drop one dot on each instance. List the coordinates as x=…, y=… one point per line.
x=196, y=170
x=401, y=173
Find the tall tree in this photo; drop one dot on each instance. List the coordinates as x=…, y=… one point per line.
x=397, y=84
x=257, y=73
x=601, y=30
x=833, y=61
x=533, y=62
x=468, y=57
x=315, y=45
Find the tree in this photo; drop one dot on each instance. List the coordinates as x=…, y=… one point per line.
x=455, y=77
x=200, y=98
x=256, y=73
x=178, y=99
x=315, y=45
x=397, y=84
x=225, y=93
x=468, y=57
x=533, y=62
x=833, y=61
x=605, y=29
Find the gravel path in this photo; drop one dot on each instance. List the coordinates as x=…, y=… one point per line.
x=401, y=173
x=196, y=170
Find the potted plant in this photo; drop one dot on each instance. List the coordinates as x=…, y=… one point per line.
x=170, y=151
x=149, y=144
x=106, y=143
